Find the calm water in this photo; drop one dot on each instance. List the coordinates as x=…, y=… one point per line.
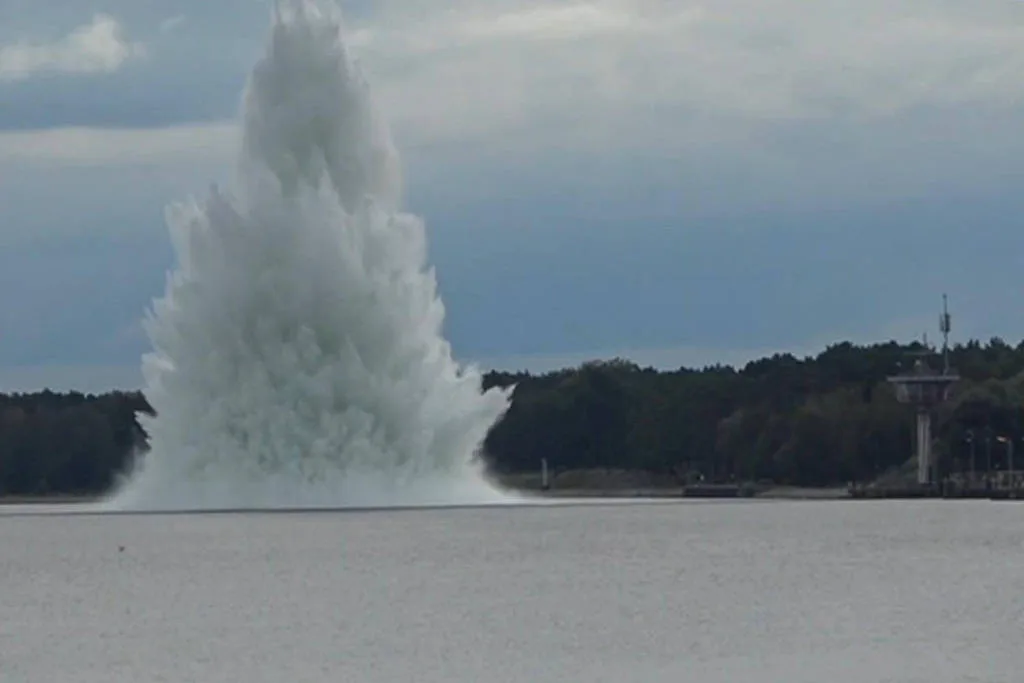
x=720, y=591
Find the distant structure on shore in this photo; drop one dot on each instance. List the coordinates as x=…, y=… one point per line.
x=925, y=389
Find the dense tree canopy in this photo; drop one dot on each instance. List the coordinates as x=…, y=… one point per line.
x=66, y=443
x=821, y=420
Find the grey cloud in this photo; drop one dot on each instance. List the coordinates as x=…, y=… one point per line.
x=96, y=47
x=195, y=73
x=476, y=71
x=650, y=222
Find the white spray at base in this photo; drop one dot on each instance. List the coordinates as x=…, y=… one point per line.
x=298, y=359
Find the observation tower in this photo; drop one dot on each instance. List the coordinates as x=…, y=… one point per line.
x=925, y=389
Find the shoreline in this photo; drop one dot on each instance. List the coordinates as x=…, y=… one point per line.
x=50, y=499
x=664, y=494
x=650, y=493
x=775, y=493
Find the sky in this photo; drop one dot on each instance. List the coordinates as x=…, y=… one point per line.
x=678, y=183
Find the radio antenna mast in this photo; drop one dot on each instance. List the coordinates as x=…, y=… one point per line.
x=945, y=325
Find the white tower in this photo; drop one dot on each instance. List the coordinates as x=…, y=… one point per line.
x=924, y=388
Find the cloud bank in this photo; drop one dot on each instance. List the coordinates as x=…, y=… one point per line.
x=649, y=176
x=97, y=47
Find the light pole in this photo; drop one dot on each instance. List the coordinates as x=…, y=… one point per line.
x=988, y=455
x=1008, y=440
x=1011, y=466
x=970, y=443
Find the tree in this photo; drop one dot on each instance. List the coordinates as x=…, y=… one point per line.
x=820, y=420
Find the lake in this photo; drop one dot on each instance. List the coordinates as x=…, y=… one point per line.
x=900, y=592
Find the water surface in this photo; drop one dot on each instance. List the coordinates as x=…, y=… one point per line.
x=794, y=592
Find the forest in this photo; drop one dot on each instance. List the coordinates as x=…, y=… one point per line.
x=825, y=420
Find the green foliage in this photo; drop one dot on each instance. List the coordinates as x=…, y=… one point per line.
x=66, y=443
x=824, y=420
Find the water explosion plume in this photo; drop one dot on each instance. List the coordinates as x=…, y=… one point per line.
x=298, y=359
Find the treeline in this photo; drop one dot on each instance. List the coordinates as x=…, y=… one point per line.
x=829, y=419
x=821, y=420
x=67, y=443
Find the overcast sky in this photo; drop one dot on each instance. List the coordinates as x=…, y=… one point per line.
x=677, y=182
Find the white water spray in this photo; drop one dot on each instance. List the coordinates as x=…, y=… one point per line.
x=298, y=359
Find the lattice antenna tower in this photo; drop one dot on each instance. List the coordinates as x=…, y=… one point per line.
x=945, y=325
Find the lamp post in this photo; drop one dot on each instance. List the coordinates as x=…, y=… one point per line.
x=970, y=443
x=1009, y=459
x=1010, y=469
x=988, y=454
x=1009, y=450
